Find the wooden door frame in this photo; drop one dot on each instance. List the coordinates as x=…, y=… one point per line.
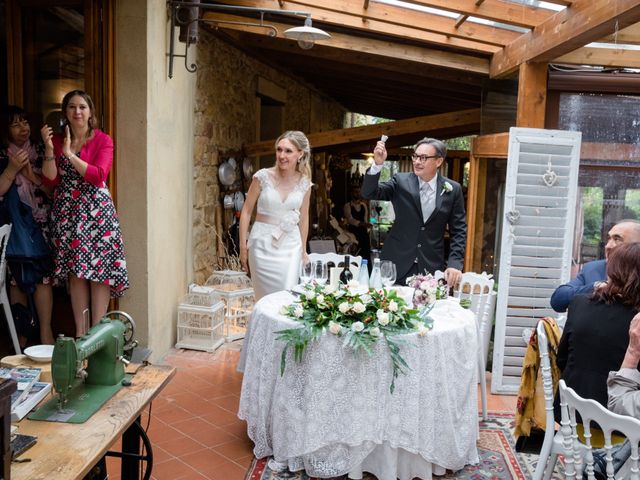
x=99, y=47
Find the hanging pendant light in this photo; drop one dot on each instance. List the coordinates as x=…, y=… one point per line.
x=306, y=35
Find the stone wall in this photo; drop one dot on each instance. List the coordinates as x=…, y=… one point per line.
x=225, y=119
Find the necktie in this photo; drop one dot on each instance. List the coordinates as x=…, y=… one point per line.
x=427, y=200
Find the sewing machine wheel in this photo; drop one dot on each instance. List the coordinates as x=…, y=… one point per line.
x=129, y=324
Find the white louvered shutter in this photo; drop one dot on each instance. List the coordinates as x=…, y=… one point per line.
x=537, y=237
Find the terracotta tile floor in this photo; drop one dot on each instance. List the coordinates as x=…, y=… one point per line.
x=194, y=429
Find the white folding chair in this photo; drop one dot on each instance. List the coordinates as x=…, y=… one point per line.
x=5, y=231
x=551, y=446
x=577, y=451
x=478, y=288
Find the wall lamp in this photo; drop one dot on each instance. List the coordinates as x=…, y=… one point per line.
x=186, y=16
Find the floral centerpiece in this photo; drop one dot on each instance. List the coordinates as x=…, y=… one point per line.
x=427, y=289
x=360, y=315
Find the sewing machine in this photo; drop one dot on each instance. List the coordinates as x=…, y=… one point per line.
x=88, y=371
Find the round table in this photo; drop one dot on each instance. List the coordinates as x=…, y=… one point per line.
x=333, y=414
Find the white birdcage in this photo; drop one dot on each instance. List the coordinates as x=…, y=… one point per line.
x=235, y=290
x=201, y=320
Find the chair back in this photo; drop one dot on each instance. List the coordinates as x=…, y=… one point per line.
x=547, y=379
x=478, y=289
x=336, y=258
x=593, y=416
x=5, y=231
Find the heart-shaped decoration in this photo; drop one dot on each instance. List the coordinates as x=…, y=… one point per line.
x=513, y=216
x=550, y=178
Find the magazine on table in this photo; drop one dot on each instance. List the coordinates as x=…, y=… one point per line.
x=24, y=377
x=39, y=390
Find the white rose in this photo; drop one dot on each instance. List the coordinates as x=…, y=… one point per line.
x=320, y=298
x=393, y=306
x=422, y=330
x=343, y=307
x=375, y=332
x=298, y=311
x=425, y=285
x=358, y=307
x=334, y=327
x=329, y=289
x=383, y=317
x=310, y=295
x=357, y=326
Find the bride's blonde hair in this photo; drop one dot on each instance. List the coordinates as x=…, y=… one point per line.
x=301, y=142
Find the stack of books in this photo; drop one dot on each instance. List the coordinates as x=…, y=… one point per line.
x=29, y=392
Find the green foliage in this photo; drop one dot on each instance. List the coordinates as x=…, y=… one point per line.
x=360, y=315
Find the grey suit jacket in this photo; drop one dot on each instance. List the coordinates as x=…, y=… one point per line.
x=410, y=237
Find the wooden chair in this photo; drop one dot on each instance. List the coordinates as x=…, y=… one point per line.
x=578, y=451
x=478, y=288
x=5, y=231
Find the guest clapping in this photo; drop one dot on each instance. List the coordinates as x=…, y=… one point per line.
x=277, y=243
x=25, y=205
x=89, y=250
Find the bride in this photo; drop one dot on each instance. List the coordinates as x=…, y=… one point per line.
x=277, y=244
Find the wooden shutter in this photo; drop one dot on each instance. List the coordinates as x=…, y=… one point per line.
x=537, y=236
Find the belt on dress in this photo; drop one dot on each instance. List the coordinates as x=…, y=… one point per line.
x=285, y=224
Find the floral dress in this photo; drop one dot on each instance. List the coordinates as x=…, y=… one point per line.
x=86, y=232
x=41, y=207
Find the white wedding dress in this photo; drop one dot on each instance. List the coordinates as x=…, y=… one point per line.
x=275, y=248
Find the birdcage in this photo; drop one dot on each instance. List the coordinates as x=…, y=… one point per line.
x=235, y=290
x=201, y=320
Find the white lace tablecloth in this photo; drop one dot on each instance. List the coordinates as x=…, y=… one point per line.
x=333, y=414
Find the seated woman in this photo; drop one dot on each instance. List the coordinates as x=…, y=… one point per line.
x=596, y=334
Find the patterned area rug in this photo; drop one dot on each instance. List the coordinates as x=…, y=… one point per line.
x=496, y=448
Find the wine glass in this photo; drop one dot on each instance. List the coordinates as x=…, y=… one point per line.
x=388, y=273
x=306, y=272
x=320, y=272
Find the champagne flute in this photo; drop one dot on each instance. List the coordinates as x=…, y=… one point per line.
x=388, y=273
x=320, y=272
x=306, y=272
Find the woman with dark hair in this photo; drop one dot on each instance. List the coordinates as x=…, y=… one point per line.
x=596, y=334
x=89, y=250
x=26, y=206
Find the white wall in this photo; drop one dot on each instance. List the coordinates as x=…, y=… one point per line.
x=154, y=128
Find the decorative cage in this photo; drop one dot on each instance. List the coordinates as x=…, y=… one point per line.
x=234, y=288
x=201, y=320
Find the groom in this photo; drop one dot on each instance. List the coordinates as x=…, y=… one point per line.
x=426, y=203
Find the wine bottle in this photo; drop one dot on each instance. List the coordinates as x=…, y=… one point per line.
x=363, y=275
x=376, y=278
x=346, y=274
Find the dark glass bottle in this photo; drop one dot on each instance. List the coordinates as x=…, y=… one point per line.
x=346, y=274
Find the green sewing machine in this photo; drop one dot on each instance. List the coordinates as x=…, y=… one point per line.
x=88, y=371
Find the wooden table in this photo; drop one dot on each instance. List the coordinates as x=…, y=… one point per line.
x=67, y=451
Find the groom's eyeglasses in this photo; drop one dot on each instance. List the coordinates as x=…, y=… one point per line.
x=423, y=158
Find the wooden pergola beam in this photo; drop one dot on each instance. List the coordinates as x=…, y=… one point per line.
x=604, y=57
x=380, y=48
x=392, y=16
x=373, y=132
x=497, y=10
x=583, y=22
x=532, y=95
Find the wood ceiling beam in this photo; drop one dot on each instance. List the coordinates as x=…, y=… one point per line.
x=389, y=14
x=629, y=35
x=584, y=22
x=497, y=10
x=604, y=57
x=378, y=48
x=370, y=132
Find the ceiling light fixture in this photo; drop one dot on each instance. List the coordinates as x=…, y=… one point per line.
x=185, y=14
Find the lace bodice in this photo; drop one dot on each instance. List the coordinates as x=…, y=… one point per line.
x=270, y=203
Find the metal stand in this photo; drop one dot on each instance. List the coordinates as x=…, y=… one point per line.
x=130, y=453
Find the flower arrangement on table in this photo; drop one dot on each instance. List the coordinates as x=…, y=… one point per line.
x=427, y=289
x=361, y=316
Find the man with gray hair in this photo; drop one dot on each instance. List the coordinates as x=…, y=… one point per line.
x=426, y=204
x=594, y=273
